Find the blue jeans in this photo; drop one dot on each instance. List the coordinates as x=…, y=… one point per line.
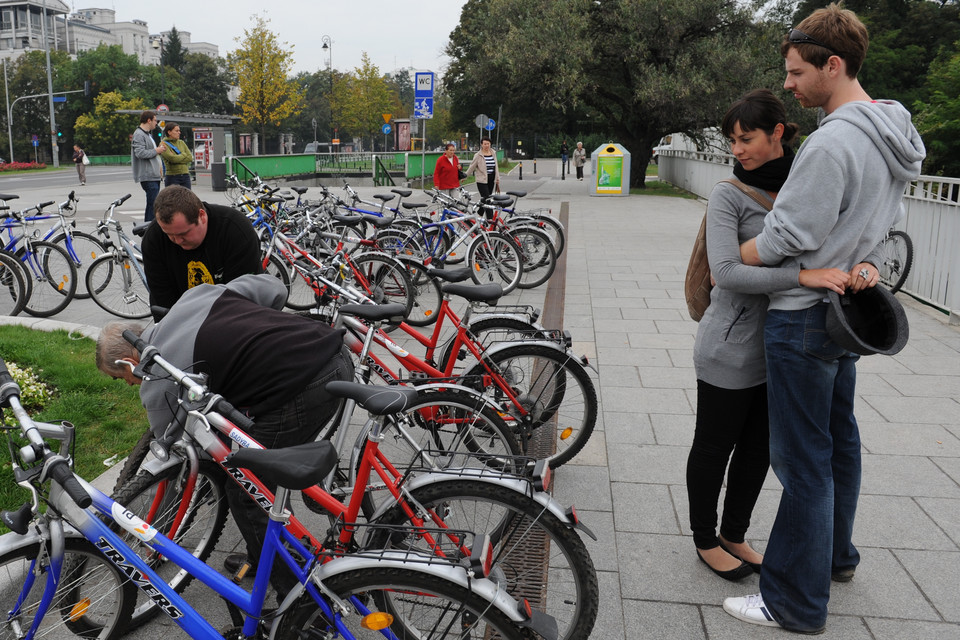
x=182, y=179
x=815, y=452
x=151, y=189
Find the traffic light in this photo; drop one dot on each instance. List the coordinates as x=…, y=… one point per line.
x=59, y=132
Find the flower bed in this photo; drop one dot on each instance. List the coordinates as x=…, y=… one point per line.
x=21, y=166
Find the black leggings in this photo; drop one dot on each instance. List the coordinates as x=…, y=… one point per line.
x=727, y=420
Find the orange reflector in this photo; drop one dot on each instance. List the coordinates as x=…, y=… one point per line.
x=79, y=610
x=126, y=265
x=93, y=255
x=376, y=621
x=428, y=313
x=566, y=433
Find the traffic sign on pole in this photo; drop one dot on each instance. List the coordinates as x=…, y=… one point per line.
x=386, y=116
x=59, y=98
x=491, y=124
x=386, y=129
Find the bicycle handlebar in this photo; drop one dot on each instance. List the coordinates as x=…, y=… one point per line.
x=120, y=201
x=195, y=391
x=55, y=465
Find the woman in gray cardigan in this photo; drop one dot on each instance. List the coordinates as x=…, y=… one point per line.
x=484, y=167
x=728, y=354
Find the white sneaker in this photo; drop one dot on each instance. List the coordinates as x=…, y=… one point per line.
x=750, y=609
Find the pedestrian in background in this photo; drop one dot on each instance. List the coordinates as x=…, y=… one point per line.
x=145, y=159
x=579, y=159
x=446, y=174
x=177, y=157
x=484, y=167
x=78, y=156
x=564, y=156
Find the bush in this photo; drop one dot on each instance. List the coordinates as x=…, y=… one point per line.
x=21, y=166
x=34, y=393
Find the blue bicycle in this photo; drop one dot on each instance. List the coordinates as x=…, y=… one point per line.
x=70, y=566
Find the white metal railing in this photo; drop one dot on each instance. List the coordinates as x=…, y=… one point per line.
x=932, y=221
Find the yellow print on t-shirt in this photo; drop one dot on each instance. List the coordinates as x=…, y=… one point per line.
x=197, y=274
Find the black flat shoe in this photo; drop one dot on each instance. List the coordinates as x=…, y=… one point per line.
x=733, y=575
x=755, y=566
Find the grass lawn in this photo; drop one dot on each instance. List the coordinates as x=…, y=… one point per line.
x=657, y=188
x=107, y=413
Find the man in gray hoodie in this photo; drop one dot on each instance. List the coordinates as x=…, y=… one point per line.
x=843, y=193
x=145, y=158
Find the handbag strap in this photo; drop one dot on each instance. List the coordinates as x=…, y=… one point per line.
x=750, y=191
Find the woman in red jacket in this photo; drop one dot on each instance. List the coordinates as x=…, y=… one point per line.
x=446, y=175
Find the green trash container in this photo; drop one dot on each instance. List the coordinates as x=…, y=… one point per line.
x=611, y=170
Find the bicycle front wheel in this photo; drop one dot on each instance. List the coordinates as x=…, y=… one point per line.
x=423, y=605
x=54, y=279
x=539, y=256
x=115, y=285
x=13, y=285
x=897, y=259
x=157, y=499
x=93, y=600
x=536, y=556
x=554, y=390
x=494, y=257
x=83, y=249
x=379, y=273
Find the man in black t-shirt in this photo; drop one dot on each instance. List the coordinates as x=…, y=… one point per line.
x=195, y=243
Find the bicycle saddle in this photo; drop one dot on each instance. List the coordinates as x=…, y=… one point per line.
x=297, y=467
x=375, y=399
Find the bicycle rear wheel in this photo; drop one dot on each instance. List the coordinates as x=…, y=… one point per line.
x=115, y=285
x=54, y=278
x=539, y=256
x=157, y=499
x=897, y=260
x=427, y=296
x=13, y=285
x=377, y=272
x=495, y=257
x=536, y=556
x=553, y=388
x=423, y=605
x=94, y=598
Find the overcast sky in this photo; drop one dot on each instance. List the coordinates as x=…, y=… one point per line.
x=394, y=34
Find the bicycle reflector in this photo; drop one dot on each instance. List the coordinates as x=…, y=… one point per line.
x=481, y=557
x=542, y=474
x=79, y=610
x=376, y=621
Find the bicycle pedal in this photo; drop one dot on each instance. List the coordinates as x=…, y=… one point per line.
x=241, y=574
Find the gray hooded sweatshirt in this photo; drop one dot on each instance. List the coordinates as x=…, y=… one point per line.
x=844, y=191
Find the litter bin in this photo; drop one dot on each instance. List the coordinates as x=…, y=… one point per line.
x=611, y=170
x=218, y=176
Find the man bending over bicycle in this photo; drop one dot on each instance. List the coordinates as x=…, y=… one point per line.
x=270, y=364
x=192, y=243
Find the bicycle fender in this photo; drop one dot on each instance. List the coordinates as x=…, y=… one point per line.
x=451, y=386
x=582, y=361
x=522, y=317
x=486, y=588
x=155, y=466
x=512, y=483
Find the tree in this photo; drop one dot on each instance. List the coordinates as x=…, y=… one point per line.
x=105, y=131
x=267, y=95
x=205, y=85
x=938, y=119
x=361, y=99
x=28, y=77
x=648, y=68
x=174, y=55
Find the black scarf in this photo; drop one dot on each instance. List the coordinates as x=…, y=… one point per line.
x=769, y=176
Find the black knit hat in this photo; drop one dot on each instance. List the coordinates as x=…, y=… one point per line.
x=868, y=322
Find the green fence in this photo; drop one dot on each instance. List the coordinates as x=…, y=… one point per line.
x=110, y=160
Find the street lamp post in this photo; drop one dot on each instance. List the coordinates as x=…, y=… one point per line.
x=158, y=44
x=328, y=49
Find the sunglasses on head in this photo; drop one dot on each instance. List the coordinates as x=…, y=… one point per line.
x=799, y=37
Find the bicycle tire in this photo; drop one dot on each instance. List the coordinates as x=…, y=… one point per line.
x=115, y=285
x=548, y=224
x=302, y=296
x=897, y=260
x=278, y=270
x=549, y=383
x=54, y=279
x=199, y=531
x=83, y=248
x=414, y=598
x=539, y=256
x=427, y=295
x=13, y=285
x=385, y=274
x=88, y=580
x=484, y=329
x=131, y=465
x=564, y=583
x=453, y=421
x=495, y=257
